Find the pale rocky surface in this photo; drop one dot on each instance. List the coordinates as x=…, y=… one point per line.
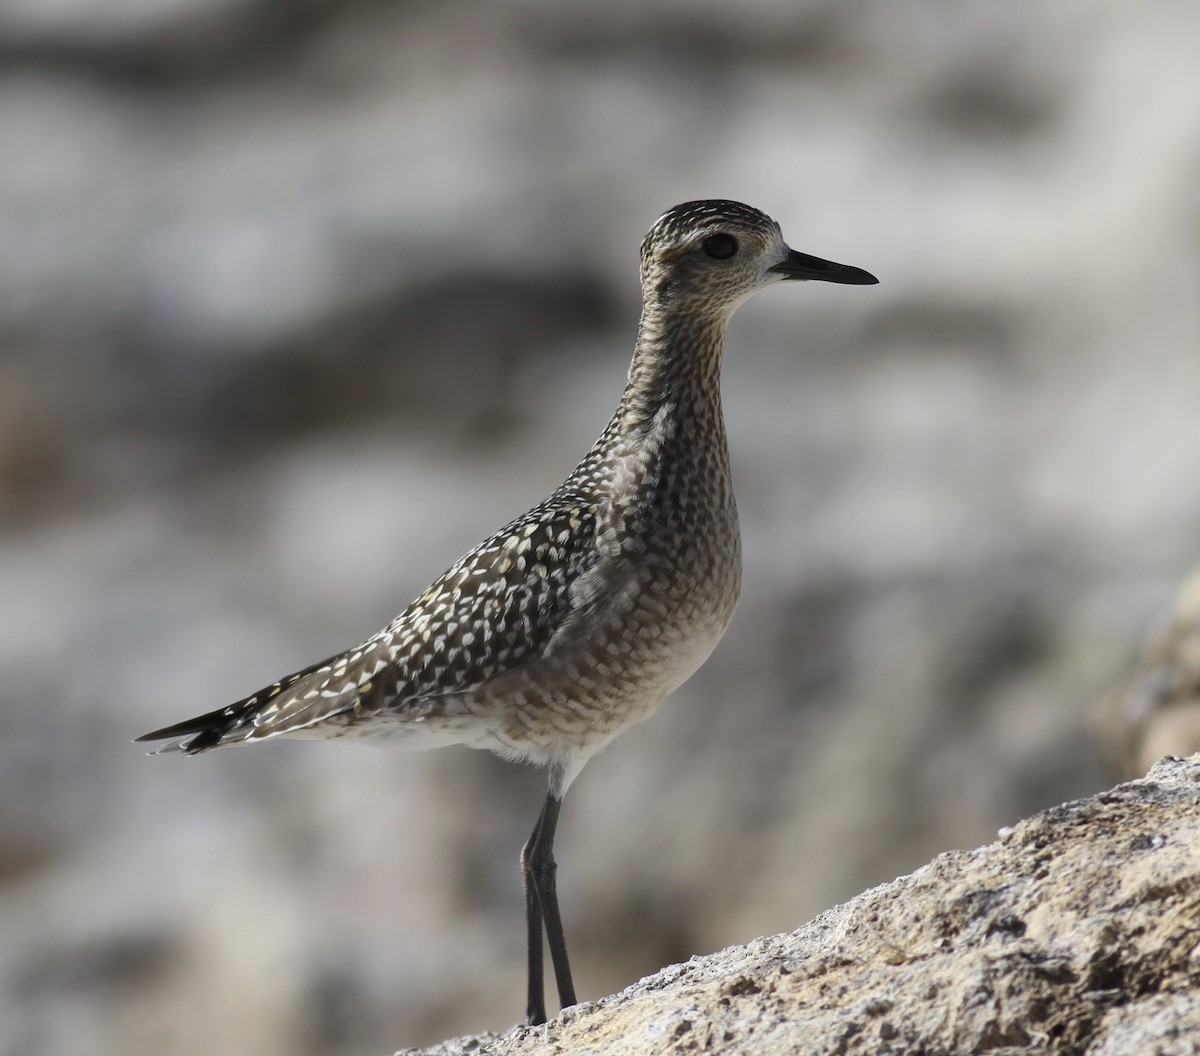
x=1158, y=712
x=1075, y=932
x=298, y=300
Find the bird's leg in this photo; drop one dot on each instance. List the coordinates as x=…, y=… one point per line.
x=535, y=1004
x=544, y=875
x=541, y=908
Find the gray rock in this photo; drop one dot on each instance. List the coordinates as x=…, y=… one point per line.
x=1158, y=712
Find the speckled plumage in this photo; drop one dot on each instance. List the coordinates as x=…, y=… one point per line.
x=574, y=620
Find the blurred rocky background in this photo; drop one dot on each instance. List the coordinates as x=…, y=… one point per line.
x=297, y=300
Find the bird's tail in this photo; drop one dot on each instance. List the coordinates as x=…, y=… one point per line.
x=230, y=725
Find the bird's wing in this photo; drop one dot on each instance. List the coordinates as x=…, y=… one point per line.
x=492, y=611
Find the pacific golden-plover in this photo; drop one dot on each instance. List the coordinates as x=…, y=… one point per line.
x=576, y=619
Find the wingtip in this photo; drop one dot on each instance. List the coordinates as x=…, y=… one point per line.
x=171, y=748
x=180, y=741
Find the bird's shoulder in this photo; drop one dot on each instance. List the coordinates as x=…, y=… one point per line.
x=501, y=603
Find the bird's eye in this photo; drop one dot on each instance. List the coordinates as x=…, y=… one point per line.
x=720, y=246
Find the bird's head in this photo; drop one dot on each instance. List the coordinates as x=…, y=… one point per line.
x=715, y=253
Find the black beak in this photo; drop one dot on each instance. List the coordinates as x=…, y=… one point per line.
x=801, y=266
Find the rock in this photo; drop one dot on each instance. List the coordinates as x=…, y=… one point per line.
x=1159, y=712
x=1074, y=932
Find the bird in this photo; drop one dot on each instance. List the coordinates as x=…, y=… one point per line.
x=575, y=620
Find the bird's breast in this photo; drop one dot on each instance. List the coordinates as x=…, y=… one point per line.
x=671, y=544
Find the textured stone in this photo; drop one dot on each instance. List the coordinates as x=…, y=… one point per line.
x=1158, y=713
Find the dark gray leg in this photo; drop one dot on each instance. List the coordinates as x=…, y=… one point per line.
x=541, y=910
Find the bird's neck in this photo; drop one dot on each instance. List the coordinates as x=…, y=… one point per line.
x=664, y=459
x=676, y=371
